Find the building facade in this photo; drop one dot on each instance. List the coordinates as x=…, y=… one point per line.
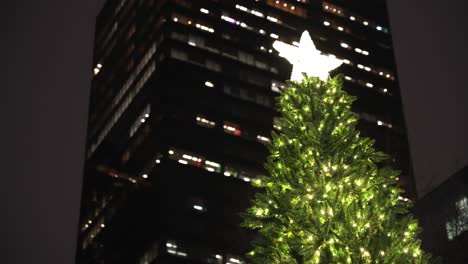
x=182, y=106
x=443, y=215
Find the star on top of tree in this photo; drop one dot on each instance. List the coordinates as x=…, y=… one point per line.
x=306, y=58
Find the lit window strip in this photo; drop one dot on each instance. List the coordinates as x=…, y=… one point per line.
x=186, y=158
x=380, y=72
x=188, y=21
x=338, y=11
x=97, y=227
x=263, y=139
x=459, y=222
x=233, y=21
x=288, y=7
x=171, y=248
x=97, y=69
x=175, y=248
x=225, y=17
x=357, y=50
x=236, y=22
x=123, y=106
x=373, y=119
x=258, y=64
x=251, y=11
x=201, y=120
x=182, y=55
x=140, y=120
x=365, y=84
x=277, y=86
x=336, y=26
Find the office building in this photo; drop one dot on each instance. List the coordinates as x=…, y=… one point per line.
x=182, y=106
x=443, y=215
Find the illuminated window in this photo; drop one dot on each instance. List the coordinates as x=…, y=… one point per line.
x=287, y=7
x=338, y=11
x=277, y=86
x=263, y=139
x=195, y=40
x=186, y=158
x=232, y=128
x=231, y=259
x=336, y=26
x=229, y=19
x=202, y=121
x=230, y=172
x=198, y=207
x=330, y=8
x=272, y=19
x=373, y=119
x=204, y=27
x=140, y=120
x=459, y=223
x=381, y=123
x=251, y=11
x=197, y=204
x=209, y=84
x=97, y=69
x=212, y=166
x=218, y=257
x=238, y=173
x=173, y=249
x=122, y=105
x=181, y=19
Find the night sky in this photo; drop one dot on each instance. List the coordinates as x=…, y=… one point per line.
x=48, y=70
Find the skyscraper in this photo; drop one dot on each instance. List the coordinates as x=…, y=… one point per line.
x=182, y=106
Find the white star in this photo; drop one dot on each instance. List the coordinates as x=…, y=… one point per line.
x=306, y=58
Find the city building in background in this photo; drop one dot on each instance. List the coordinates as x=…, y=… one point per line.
x=443, y=215
x=181, y=110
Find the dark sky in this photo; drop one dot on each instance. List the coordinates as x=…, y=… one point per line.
x=47, y=74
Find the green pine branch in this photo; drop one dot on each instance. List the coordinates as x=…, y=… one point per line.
x=326, y=199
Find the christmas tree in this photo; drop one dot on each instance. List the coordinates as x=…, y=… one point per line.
x=327, y=200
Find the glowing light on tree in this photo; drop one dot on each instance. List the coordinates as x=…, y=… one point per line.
x=306, y=58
